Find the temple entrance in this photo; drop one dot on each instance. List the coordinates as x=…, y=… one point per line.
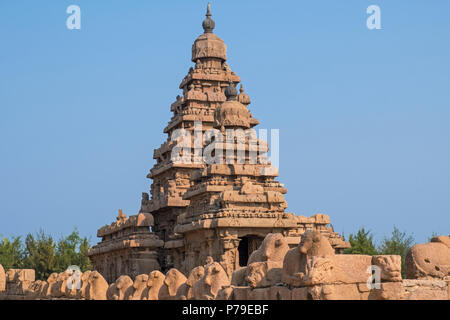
x=247, y=245
x=243, y=251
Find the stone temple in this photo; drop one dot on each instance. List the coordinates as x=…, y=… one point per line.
x=219, y=230
x=223, y=210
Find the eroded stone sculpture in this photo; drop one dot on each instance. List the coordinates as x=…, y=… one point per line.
x=312, y=244
x=172, y=282
x=97, y=286
x=263, y=274
x=155, y=284
x=59, y=288
x=213, y=280
x=196, y=275
x=83, y=292
x=429, y=260
x=140, y=287
x=390, y=265
x=122, y=289
x=273, y=248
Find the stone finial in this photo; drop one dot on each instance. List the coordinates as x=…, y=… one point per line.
x=231, y=92
x=208, y=23
x=121, y=216
x=243, y=97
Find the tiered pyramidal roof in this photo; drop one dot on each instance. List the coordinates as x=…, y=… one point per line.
x=210, y=209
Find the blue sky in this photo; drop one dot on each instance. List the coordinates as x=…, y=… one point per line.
x=363, y=114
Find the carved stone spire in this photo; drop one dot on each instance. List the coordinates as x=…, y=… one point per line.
x=231, y=92
x=243, y=97
x=208, y=23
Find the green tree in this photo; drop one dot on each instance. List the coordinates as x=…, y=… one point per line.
x=83, y=260
x=362, y=243
x=72, y=250
x=397, y=244
x=11, y=253
x=40, y=254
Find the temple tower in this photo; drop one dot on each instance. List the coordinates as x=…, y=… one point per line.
x=200, y=208
x=202, y=92
x=234, y=200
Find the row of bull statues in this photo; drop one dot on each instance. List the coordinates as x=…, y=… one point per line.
x=311, y=270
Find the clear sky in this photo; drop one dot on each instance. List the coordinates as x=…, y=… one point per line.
x=363, y=114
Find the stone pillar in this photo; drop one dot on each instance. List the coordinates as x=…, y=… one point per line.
x=230, y=256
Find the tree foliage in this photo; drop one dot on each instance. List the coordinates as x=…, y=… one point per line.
x=11, y=253
x=72, y=250
x=397, y=244
x=362, y=243
x=41, y=253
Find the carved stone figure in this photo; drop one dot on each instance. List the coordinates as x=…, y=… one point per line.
x=122, y=289
x=263, y=274
x=34, y=289
x=97, y=286
x=336, y=269
x=225, y=294
x=320, y=270
x=214, y=279
x=145, y=203
x=154, y=284
x=429, y=260
x=208, y=260
x=83, y=292
x=186, y=290
x=273, y=248
x=390, y=265
x=238, y=277
x=37, y=290
x=40, y=290
x=174, y=279
x=313, y=244
x=139, y=287
x=60, y=287
x=51, y=281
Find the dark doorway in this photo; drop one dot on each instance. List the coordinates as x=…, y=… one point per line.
x=243, y=251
